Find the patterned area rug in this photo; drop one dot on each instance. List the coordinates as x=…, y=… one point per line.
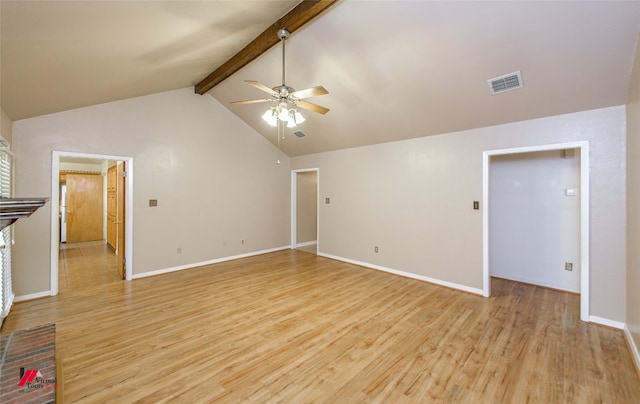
x=28, y=366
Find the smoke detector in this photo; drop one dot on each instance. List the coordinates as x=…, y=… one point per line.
x=507, y=82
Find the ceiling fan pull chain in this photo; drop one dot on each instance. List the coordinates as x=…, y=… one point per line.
x=278, y=141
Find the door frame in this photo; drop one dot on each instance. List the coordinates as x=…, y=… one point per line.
x=584, y=215
x=55, y=209
x=294, y=206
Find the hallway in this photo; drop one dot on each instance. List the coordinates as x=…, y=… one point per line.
x=85, y=265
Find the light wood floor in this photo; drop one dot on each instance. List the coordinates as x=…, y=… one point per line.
x=313, y=248
x=293, y=327
x=85, y=265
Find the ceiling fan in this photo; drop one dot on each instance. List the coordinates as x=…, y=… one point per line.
x=285, y=98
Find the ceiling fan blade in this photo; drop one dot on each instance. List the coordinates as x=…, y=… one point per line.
x=312, y=107
x=310, y=92
x=261, y=87
x=252, y=101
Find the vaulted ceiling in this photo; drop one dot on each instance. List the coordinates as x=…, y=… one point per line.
x=394, y=69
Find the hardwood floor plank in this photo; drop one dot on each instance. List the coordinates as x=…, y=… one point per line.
x=293, y=327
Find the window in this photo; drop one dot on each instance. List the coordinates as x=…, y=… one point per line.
x=6, y=297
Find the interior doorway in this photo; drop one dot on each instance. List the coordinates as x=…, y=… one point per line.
x=582, y=148
x=304, y=210
x=115, y=225
x=534, y=218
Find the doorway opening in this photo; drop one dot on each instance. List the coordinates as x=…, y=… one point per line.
x=86, y=264
x=582, y=149
x=106, y=237
x=305, y=230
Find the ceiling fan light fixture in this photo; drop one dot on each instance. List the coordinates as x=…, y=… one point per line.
x=297, y=116
x=270, y=116
x=284, y=114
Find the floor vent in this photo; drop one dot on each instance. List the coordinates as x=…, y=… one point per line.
x=300, y=133
x=504, y=83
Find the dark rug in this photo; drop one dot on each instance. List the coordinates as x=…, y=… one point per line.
x=28, y=366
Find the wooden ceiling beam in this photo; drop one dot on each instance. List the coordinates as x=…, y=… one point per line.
x=300, y=15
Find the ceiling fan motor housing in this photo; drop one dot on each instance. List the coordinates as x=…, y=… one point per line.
x=283, y=91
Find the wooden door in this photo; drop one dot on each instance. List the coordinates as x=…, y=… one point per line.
x=120, y=220
x=112, y=207
x=84, y=207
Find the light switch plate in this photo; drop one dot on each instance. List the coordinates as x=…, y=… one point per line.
x=153, y=202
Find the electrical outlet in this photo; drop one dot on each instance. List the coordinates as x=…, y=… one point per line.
x=476, y=205
x=375, y=249
x=568, y=266
x=327, y=200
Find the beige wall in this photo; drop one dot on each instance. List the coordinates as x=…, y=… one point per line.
x=633, y=201
x=214, y=177
x=306, y=206
x=414, y=199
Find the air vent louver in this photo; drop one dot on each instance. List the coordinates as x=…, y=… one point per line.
x=504, y=83
x=300, y=133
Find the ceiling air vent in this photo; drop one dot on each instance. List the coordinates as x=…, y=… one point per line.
x=300, y=133
x=504, y=83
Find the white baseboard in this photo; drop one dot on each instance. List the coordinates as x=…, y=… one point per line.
x=633, y=346
x=406, y=274
x=203, y=263
x=306, y=243
x=605, y=321
x=32, y=296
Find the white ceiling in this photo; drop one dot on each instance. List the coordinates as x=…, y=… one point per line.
x=394, y=69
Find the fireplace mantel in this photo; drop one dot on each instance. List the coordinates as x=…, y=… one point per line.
x=12, y=209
